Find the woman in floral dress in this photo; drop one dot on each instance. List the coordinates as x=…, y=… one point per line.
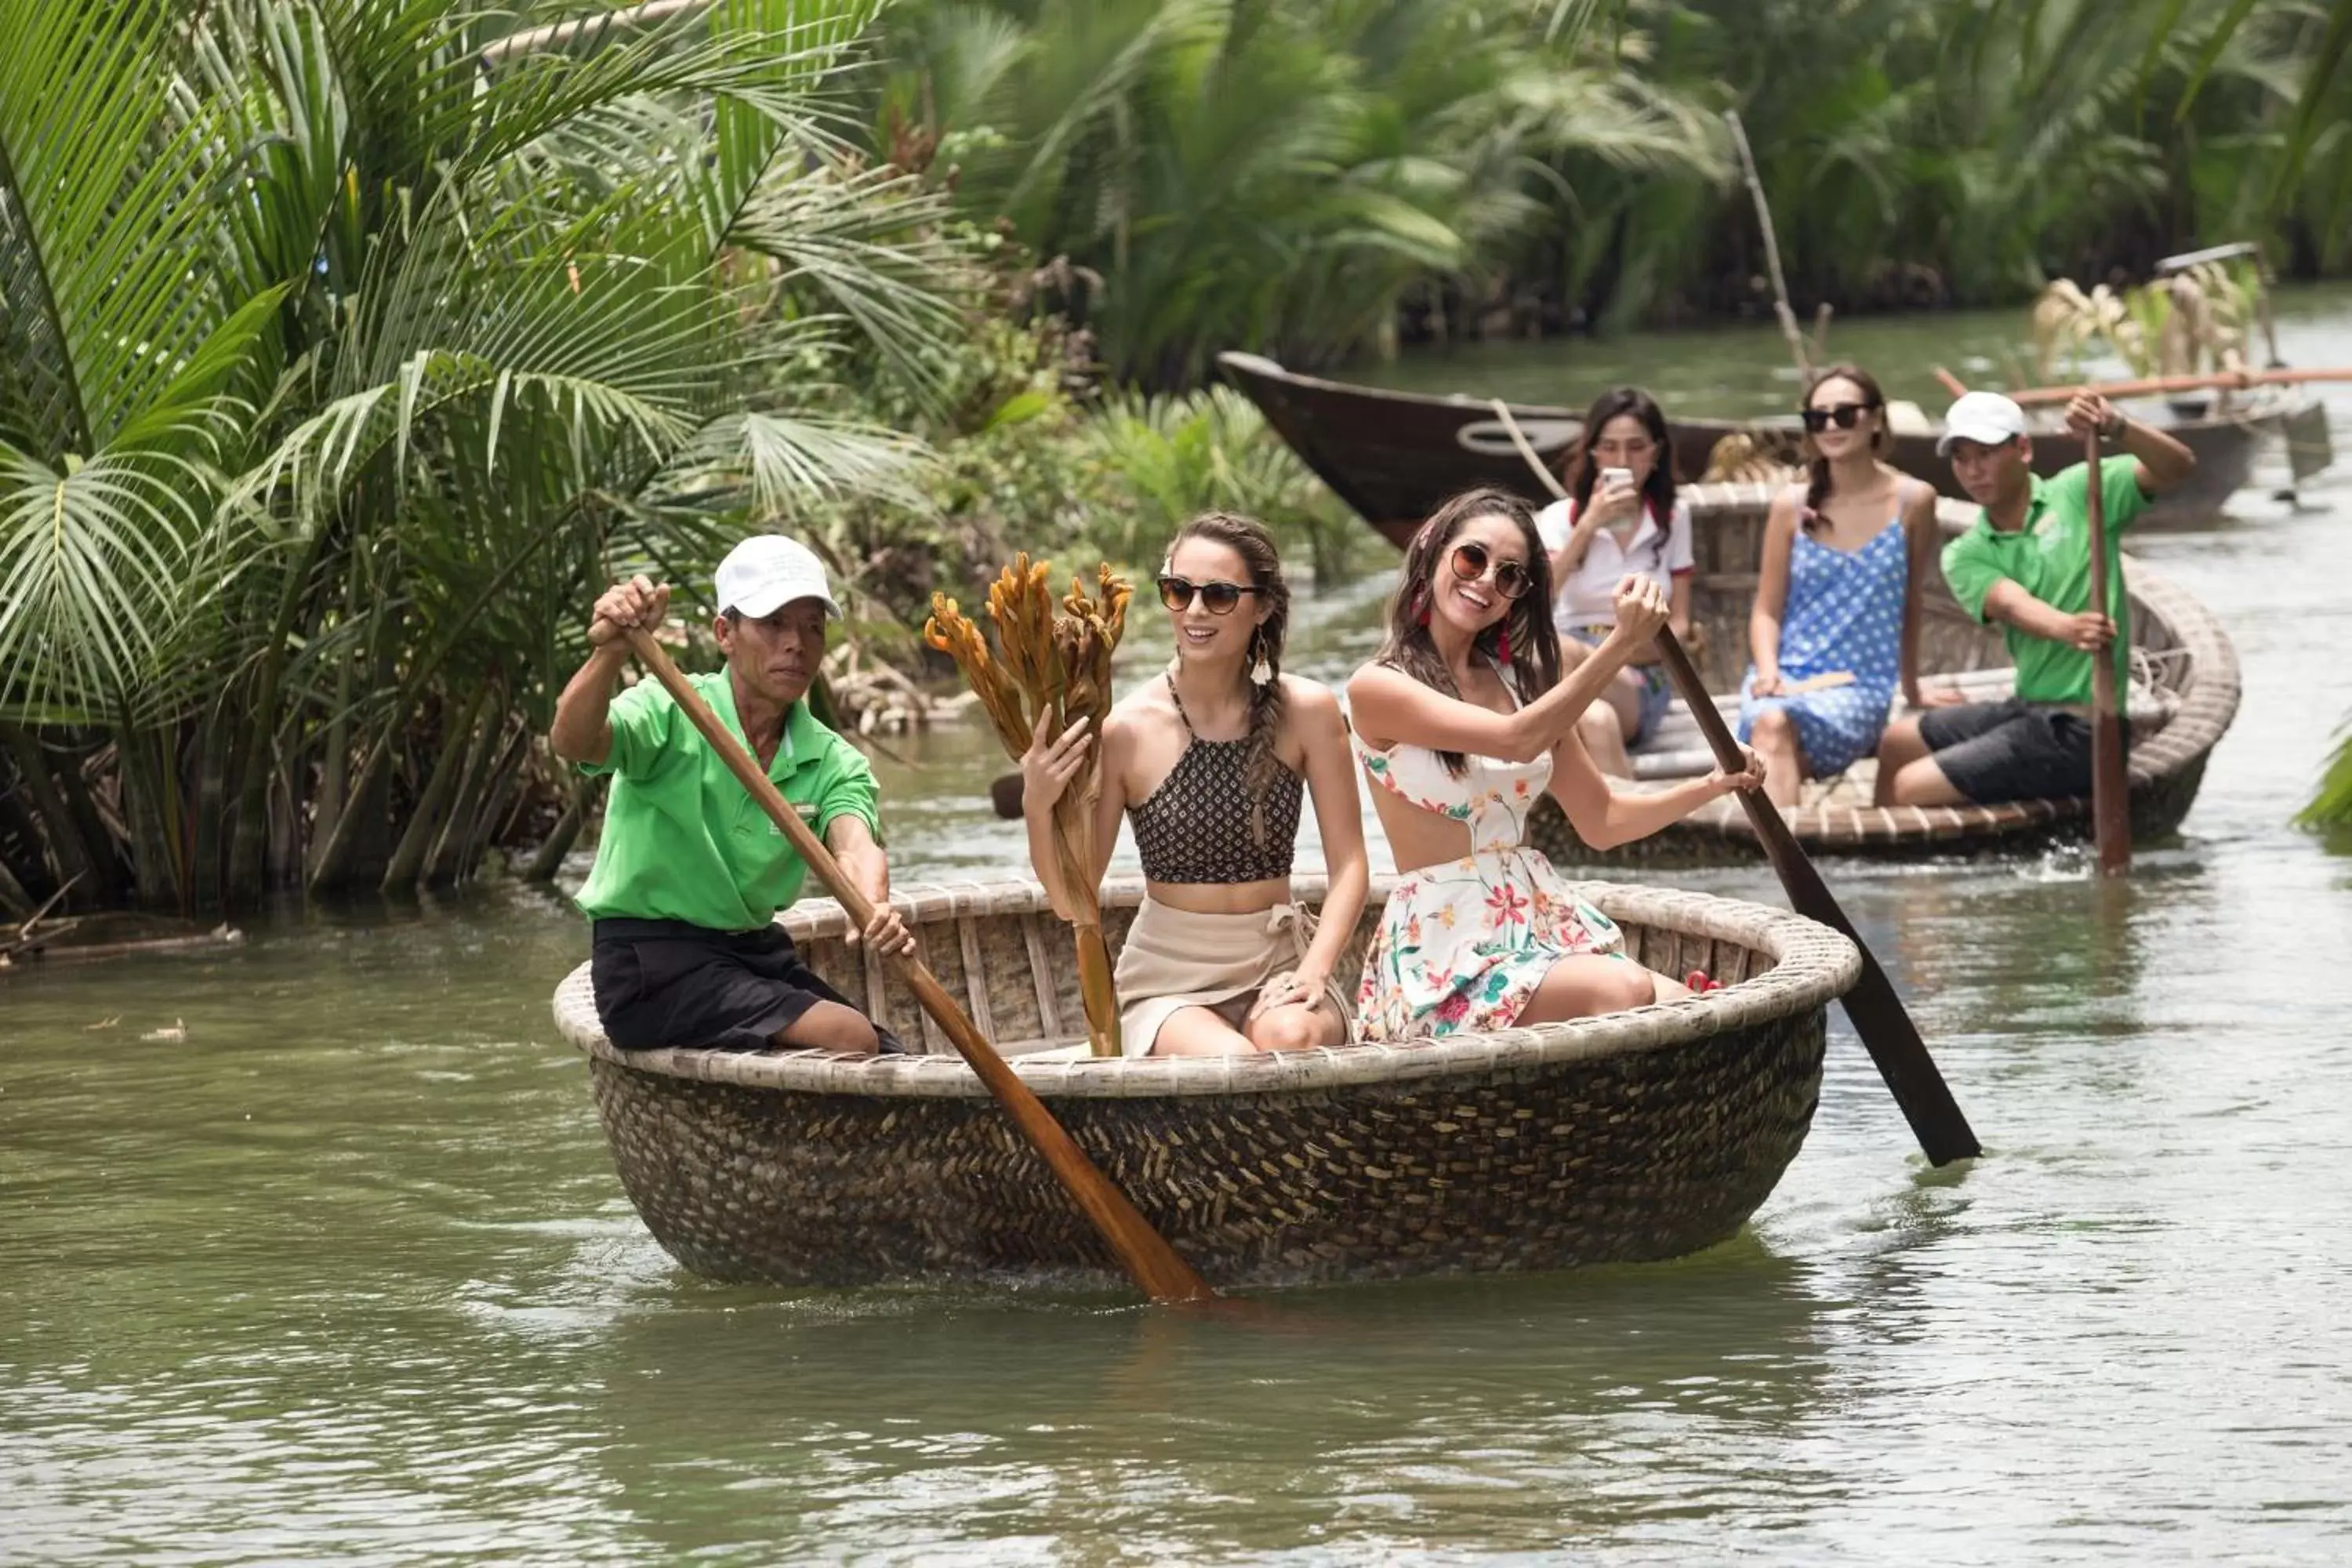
x=1462, y=719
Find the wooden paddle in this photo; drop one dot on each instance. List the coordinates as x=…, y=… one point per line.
x=1156, y=1267
x=2110, y=785
x=1876, y=1012
x=2152, y=386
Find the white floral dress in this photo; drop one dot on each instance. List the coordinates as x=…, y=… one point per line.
x=1463, y=945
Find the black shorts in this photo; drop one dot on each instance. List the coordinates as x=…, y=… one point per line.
x=666, y=982
x=1996, y=752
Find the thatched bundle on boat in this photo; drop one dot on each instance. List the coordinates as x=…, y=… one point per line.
x=1634, y=1136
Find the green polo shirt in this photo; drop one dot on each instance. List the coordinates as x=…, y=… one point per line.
x=2050, y=557
x=683, y=840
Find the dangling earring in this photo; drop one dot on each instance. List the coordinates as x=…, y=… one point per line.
x=1261, y=672
x=1421, y=599
x=1503, y=647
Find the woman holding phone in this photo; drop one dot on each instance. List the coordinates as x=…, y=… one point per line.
x=1621, y=518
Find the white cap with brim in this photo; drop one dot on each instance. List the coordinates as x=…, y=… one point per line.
x=767, y=571
x=1985, y=417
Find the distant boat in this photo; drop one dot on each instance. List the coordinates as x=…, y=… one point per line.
x=1394, y=457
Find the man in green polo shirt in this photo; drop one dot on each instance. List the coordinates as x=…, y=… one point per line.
x=691, y=872
x=2026, y=564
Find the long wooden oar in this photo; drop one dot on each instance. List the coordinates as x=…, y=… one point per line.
x=1156, y=1267
x=1876, y=1012
x=2110, y=785
x=2156, y=385
x=1874, y=1008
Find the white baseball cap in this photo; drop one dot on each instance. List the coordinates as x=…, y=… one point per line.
x=1986, y=417
x=767, y=571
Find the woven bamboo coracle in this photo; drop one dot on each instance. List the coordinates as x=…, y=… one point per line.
x=2186, y=694
x=1632, y=1136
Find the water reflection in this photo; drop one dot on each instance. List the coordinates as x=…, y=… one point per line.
x=346, y=1272
x=1546, y=1409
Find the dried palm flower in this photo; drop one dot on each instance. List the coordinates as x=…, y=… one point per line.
x=1057, y=663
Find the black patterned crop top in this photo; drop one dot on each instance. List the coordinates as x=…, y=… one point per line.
x=1195, y=827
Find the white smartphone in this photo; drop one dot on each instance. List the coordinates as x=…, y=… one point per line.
x=1617, y=477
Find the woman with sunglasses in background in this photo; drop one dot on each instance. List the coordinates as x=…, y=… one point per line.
x=1622, y=516
x=1462, y=721
x=1835, y=625
x=1210, y=761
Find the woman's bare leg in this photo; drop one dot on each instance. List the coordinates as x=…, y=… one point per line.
x=1295, y=1026
x=1604, y=737
x=1586, y=984
x=1775, y=739
x=1198, y=1032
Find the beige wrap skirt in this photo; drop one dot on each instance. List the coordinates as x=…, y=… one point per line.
x=1174, y=958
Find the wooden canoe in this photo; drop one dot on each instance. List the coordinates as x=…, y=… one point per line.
x=1634, y=1136
x=1394, y=457
x=2185, y=695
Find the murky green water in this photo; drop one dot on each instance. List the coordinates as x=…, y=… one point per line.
x=345, y=1273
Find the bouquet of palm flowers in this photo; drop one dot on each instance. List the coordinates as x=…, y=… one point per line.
x=1056, y=663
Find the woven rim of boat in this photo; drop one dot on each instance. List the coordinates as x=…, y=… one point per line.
x=2207, y=708
x=1811, y=965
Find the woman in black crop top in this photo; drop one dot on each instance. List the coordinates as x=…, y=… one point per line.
x=1210, y=758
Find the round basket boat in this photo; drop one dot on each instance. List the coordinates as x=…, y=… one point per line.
x=1634, y=1136
x=2184, y=694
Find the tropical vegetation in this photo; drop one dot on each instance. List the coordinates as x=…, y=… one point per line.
x=348, y=347
x=1316, y=178
x=347, y=344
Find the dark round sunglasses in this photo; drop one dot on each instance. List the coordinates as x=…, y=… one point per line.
x=1471, y=561
x=1177, y=594
x=1844, y=415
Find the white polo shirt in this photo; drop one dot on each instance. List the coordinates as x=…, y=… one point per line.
x=1588, y=598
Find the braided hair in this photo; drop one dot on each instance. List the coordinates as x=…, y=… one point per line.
x=1247, y=538
x=1534, y=666
x=1882, y=440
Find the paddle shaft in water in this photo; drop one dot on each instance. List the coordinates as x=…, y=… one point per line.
x=1877, y=1013
x=2110, y=785
x=1148, y=1259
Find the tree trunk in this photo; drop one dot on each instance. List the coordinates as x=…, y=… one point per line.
x=457, y=826
x=66, y=847
x=503, y=779
x=548, y=859
x=16, y=903
x=409, y=858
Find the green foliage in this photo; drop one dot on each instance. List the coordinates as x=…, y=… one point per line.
x=1246, y=173
x=345, y=352
x=1165, y=459
x=2331, y=808
x=1284, y=176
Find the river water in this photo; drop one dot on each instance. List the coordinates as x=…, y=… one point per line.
x=340, y=1270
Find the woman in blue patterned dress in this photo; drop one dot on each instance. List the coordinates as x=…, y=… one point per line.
x=1834, y=627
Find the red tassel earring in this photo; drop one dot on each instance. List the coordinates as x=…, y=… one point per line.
x=1420, y=597
x=1503, y=647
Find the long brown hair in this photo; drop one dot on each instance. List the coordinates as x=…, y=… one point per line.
x=1247, y=538
x=1581, y=472
x=1534, y=667
x=1882, y=440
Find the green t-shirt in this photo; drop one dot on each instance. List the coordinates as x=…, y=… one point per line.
x=684, y=840
x=2050, y=558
